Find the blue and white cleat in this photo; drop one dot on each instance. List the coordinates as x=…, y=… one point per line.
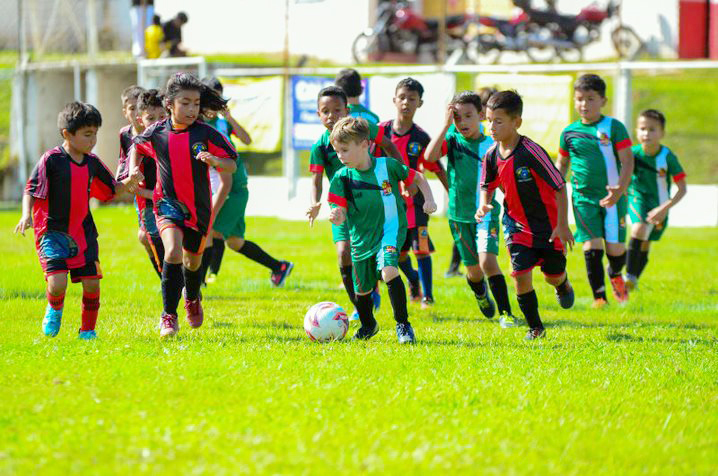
x=376, y=298
x=87, y=335
x=354, y=316
x=405, y=333
x=51, y=322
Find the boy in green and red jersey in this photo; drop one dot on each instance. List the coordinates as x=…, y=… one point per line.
x=649, y=197
x=365, y=197
x=331, y=107
x=598, y=151
x=350, y=82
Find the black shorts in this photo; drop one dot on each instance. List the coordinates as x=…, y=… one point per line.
x=524, y=259
x=193, y=241
x=418, y=240
x=90, y=270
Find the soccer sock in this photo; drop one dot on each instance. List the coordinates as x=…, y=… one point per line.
x=411, y=274
x=90, y=308
x=455, y=259
x=155, y=265
x=397, y=296
x=594, y=269
x=497, y=284
x=564, y=287
x=192, y=282
x=207, y=257
x=158, y=251
x=479, y=288
x=252, y=251
x=346, y=272
x=365, y=308
x=172, y=284
x=217, y=255
x=55, y=302
x=615, y=264
x=633, y=257
x=424, y=265
x=642, y=263
x=528, y=302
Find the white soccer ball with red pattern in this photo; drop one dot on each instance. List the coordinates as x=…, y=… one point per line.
x=326, y=322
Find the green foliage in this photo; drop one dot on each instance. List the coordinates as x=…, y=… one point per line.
x=625, y=390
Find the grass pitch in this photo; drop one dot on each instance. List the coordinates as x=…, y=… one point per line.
x=624, y=390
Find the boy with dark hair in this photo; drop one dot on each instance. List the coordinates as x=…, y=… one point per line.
x=56, y=204
x=649, y=196
x=411, y=140
x=535, y=207
x=365, y=195
x=597, y=149
x=462, y=141
x=350, y=82
x=332, y=107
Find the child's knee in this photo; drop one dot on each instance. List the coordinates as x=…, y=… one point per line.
x=236, y=243
x=523, y=282
x=593, y=244
x=91, y=285
x=57, y=283
x=344, y=253
x=555, y=280
x=489, y=264
x=191, y=261
x=474, y=273
x=142, y=237
x=389, y=272
x=173, y=253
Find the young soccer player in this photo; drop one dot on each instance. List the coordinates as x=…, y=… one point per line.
x=350, y=82
x=597, y=149
x=535, y=207
x=229, y=223
x=411, y=140
x=56, y=204
x=365, y=195
x=331, y=107
x=183, y=149
x=463, y=143
x=650, y=198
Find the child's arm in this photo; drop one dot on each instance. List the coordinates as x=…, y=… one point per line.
x=237, y=130
x=388, y=146
x=26, y=219
x=562, y=231
x=659, y=214
x=130, y=184
x=441, y=175
x=315, y=198
x=225, y=185
x=145, y=193
x=338, y=215
x=227, y=165
x=563, y=162
x=485, y=206
x=433, y=150
x=615, y=192
x=423, y=184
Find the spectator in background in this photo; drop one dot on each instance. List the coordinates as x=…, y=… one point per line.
x=173, y=34
x=141, y=13
x=154, y=37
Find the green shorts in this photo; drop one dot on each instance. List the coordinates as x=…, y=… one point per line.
x=366, y=272
x=230, y=219
x=638, y=211
x=595, y=221
x=340, y=232
x=474, y=238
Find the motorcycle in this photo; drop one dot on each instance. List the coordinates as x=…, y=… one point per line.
x=400, y=29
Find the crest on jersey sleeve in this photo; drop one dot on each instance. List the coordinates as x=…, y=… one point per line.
x=414, y=148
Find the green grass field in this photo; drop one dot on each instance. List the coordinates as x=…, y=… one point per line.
x=624, y=390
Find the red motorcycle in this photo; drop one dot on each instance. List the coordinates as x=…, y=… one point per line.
x=401, y=29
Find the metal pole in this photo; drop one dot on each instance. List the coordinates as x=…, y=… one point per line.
x=441, y=54
x=92, y=37
x=290, y=160
x=622, y=101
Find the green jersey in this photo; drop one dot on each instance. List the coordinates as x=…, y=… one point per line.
x=593, y=151
x=357, y=110
x=464, y=173
x=239, y=178
x=375, y=207
x=324, y=158
x=652, y=174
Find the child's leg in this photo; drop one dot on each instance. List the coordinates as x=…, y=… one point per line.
x=144, y=239
x=637, y=254
x=254, y=252
x=528, y=302
x=616, y=254
x=593, y=254
x=172, y=278
x=345, y=268
x=397, y=293
x=411, y=274
x=218, y=253
x=423, y=262
x=365, y=277
x=490, y=266
x=192, y=272
x=56, y=287
x=455, y=261
x=423, y=247
x=90, y=303
x=206, y=259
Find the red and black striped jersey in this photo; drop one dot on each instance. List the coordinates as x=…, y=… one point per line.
x=123, y=162
x=180, y=176
x=62, y=189
x=147, y=167
x=529, y=181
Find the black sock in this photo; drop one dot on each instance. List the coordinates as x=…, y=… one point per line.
x=425, y=270
x=155, y=265
x=397, y=296
x=564, y=287
x=217, y=254
x=207, y=257
x=252, y=251
x=158, y=249
x=594, y=268
x=172, y=284
x=346, y=272
x=642, y=263
x=497, y=284
x=455, y=259
x=479, y=288
x=615, y=264
x=411, y=274
x=633, y=256
x=192, y=282
x=365, y=308
x=528, y=302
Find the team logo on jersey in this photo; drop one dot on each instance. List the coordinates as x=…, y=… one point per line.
x=414, y=148
x=389, y=249
x=603, y=138
x=494, y=232
x=662, y=172
x=622, y=222
x=198, y=147
x=386, y=188
x=423, y=231
x=523, y=174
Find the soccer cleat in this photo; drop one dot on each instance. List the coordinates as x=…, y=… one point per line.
x=211, y=278
x=620, y=292
x=535, y=333
x=486, y=305
x=87, y=335
x=169, y=325
x=631, y=282
x=354, y=316
x=376, y=298
x=405, y=333
x=415, y=291
x=427, y=302
x=51, y=322
x=280, y=276
x=507, y=321
x=566, y=299
x=195, y=313
x=365, y=333
x=599, y=303
x=453, y=273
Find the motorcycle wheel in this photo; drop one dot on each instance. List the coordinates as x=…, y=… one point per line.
x=571, y=55
x=627, y=43
x=366, y=48
x=538, y=47
x=483, y=50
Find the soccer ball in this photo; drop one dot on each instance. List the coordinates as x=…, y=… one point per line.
x=325, y=322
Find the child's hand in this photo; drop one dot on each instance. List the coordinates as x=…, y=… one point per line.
x=24, y=223
x=563, y=233
x=207, y=158
x=429, y=207
x=312, y=212
x=657, y=215
x=483, y=210
x=133, y=180
x=614, y=193
x=337, y=215
x=450, y=111
x=411, y=190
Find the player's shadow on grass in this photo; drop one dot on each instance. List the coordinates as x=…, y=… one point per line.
x=21, y=294
x=624, y=325
x=477, y=320
x=620, y=337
